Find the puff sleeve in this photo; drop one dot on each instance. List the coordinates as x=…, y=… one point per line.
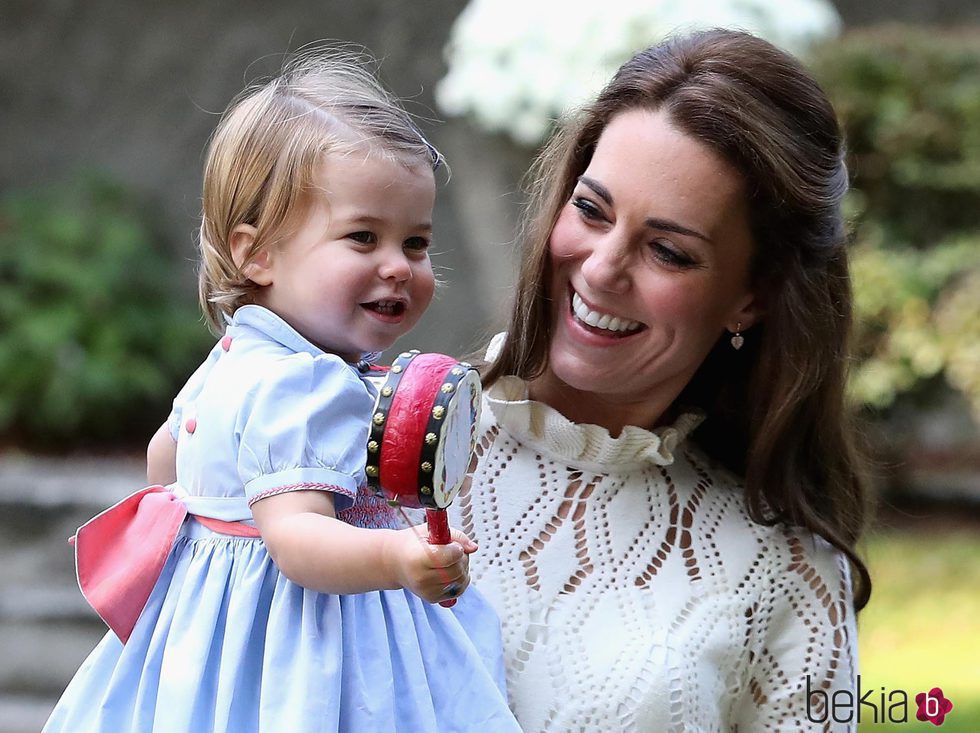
x=304, y=427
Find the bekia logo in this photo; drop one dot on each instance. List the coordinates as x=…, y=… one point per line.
x=933, y=706
x=876, y=705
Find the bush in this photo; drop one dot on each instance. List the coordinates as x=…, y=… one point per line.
x=93, y=337
x=910, y=104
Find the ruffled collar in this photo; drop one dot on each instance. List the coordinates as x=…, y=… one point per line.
x=589, y=447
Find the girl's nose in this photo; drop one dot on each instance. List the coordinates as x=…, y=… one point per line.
x=606, y=268
x=395, y=266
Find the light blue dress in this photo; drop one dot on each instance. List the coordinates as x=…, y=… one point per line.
x=226, y=642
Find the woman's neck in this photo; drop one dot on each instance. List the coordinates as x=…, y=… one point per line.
x=610, y=412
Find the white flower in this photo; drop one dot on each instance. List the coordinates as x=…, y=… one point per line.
x=516, y=65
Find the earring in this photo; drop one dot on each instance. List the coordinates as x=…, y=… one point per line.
x=737, y=339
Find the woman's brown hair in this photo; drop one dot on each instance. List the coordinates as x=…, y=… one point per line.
x=776, y=409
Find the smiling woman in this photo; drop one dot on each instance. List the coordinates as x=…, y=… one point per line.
x=667, y=495
x=675, y=264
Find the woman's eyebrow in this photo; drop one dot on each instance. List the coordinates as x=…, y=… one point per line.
x=665, y=225
x=597, y=188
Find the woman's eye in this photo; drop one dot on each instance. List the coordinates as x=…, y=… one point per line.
x=586, y=208
x=670, y=256
x=416, y=244
x=363, y=237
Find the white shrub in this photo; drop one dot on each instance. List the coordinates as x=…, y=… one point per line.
x=516, y=65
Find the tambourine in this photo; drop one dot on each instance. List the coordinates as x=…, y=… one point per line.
x=423, y=432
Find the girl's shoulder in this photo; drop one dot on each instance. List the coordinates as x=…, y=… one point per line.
x=263, y=350
x=278, y=380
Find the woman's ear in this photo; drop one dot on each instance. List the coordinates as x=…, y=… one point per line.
x=259, y=269
x=750, y=312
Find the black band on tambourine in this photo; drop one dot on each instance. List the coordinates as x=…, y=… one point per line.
x=380, y=416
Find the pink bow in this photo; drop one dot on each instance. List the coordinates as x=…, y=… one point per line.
x=120, y=553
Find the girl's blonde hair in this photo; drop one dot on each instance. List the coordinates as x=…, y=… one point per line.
x=264, y=152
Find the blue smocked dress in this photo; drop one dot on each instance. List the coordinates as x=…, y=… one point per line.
x=225, y=641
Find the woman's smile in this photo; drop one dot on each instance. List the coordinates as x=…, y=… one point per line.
x=599, y=321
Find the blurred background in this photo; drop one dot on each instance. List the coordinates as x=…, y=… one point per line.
x=105, y=110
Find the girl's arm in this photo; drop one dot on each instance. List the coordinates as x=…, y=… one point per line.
x=318, y=551
x=161, y=458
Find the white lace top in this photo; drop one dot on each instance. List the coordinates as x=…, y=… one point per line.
x=634, y=591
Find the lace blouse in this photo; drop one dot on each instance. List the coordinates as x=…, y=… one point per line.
x=635, y=592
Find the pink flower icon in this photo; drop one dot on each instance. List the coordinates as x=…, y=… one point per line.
x=933, y=706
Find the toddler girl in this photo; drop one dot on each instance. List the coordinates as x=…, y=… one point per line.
x=266, y=589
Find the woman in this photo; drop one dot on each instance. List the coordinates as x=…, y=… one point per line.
x=684, y=261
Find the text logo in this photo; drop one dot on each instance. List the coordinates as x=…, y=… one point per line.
x=875, y=705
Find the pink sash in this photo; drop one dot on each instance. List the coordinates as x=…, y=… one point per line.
x=120, y=553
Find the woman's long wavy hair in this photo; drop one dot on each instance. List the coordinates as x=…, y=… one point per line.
x=776, y=410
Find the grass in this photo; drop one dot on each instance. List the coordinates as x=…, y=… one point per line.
x=922, y=627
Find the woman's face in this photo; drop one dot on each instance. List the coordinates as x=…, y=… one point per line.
x=650, y=264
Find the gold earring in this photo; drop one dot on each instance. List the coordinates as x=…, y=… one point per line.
x=737, y=339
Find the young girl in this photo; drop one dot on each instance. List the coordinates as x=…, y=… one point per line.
x=266, y=589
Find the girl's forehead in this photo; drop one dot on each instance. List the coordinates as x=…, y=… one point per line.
x=363, y=184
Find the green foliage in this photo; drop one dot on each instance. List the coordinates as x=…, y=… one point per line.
x=910, y=104
x=93, y=337
x=919, y=315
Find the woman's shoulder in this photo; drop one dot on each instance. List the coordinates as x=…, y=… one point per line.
x=717, y=501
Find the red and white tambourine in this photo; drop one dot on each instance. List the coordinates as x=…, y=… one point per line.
x=423, y=432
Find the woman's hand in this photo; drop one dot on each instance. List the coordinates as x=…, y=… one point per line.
x=432, y=572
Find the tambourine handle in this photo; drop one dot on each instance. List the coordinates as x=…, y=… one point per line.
x=439, y=534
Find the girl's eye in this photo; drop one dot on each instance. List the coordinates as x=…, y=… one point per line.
x=416, y=244
x=363, y=237
x=586, y=208
x=669, y=256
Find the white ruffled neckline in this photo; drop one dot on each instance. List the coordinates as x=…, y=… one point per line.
x=589, y=447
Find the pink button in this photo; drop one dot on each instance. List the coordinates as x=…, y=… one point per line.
x=190, y=425
x=226, y=343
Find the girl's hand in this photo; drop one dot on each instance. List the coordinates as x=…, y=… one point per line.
x=432, y=572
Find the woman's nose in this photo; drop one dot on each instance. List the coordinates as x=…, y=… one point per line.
x=395, y=266
x=606, y=268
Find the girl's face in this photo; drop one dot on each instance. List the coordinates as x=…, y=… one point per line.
x=650, y=264
x=356, y=274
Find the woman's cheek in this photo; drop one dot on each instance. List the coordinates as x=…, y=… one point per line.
x=564, y=235
x=662, y=296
